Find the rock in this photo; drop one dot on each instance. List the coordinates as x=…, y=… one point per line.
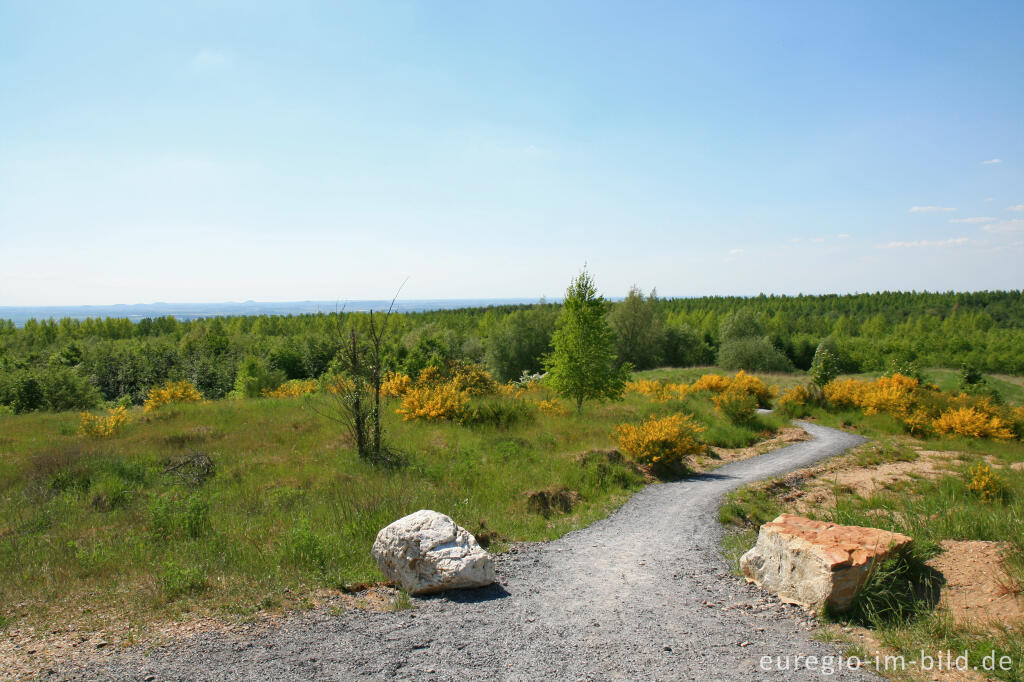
x=811, y=563
x=427, y=552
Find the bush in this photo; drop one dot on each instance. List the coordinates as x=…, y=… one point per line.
x=442, y=402
x=496, y=412
x=752, y=354
x=172, y=392
x=737, y=405
x=798, y=400
x=255, y=378
x=986, y=484
x=826, y=365
x=292, y=389
x=98, y=426
x=972, y=423
x=552, y=408
x=395, y=385
x=661, y=441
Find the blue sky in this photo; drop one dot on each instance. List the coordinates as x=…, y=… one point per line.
x=211, y=151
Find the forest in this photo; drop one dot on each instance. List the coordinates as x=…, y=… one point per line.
x=75, y=364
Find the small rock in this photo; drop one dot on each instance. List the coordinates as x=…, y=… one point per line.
x=666, y=648
x=744, y=644
x=102, y=643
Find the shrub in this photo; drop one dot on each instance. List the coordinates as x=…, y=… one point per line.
x=754, y=387
x=496, y=412
x=972, y=423
x=395, y=385
x=171, y=392
x=99, y=426
x=441, y=402
x=661, y=441
x=473, y=379
x=753, y=353
x=844, y=393
x=893, y=395
x=660, y=391
x=826, y=365
x=292, y=389
x=985, y=483
x=256, y=378
x=737, y=405
x=552, y=407
x=797, y=400
x=716, y=383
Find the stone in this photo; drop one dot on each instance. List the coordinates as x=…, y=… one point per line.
x=814, y=563
x=427, y=552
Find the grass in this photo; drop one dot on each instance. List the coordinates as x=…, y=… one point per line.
x=233, y=507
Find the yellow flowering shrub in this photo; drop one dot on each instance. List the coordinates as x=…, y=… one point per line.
x=430, y=376
x=172, y=392
x=336, y=384
x=972, y=423
x=918, y=423
x=510, y=390
x=794, y=397
x=100, y=426
x=753, y=386
x=716, y=383
x=292, y=389
x=552, y=407
x=845, y=393
x=985, y=483
x=395, y=385
x=474, y=380
x=736, y=404
x=892, y=395
x=657, y=390
x=441, y=402
x=661, y=441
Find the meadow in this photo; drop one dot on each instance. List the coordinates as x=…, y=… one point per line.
x=235, y=507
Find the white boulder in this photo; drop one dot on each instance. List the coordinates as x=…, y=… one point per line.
x=427, y=552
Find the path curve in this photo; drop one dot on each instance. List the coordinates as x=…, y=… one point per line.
x=624, y=598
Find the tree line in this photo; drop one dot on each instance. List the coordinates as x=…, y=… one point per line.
x=72, y=364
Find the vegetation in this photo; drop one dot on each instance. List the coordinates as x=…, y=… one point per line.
x=78, y=364
x=581, y=365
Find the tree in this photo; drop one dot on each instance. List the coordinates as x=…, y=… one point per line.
x=639, y=332
x=582, y=363
x=826, y=365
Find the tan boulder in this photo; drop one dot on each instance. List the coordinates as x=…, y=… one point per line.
x=812, y=563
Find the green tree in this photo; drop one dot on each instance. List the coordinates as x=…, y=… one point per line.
x=639, y=332
x=826, y=365
x=582, y=363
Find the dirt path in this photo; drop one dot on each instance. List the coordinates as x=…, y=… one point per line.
x=644, y=594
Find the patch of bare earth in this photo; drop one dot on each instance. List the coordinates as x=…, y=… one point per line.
x=27, y=653
x=979, y=592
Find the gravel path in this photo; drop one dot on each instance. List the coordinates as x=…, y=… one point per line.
x=644, y=594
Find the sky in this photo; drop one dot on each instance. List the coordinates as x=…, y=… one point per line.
x=228, y=151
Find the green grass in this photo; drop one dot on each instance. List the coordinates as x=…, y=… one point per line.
x=131, y=528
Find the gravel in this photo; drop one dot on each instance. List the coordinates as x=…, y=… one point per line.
x=643, y=594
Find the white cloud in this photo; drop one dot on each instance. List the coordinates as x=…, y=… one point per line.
x=1018, y=207
x=974, y=221
x=1011, y=225
x=992, y=161
x=929, y=209
x=735, y=252
x=955, y=241
x=818, y=240
x=842, y=236
x=212, y=60
x=794, y=240
x=989, y=198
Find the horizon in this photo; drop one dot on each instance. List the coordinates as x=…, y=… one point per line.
x=256, y=152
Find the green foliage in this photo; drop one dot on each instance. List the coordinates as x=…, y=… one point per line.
x=496, y=412
x=897, y=591
x=303, y=548
x=254, y=377
x=826, y=365
x=177, y=581
x=639, y=331
x=753, y=354
x=582, y=364
x=517, y=342
x=179, y=518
